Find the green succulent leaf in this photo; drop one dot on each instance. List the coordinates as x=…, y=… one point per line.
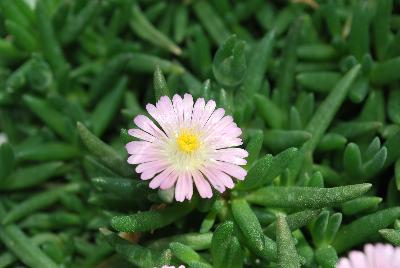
x=355, y=232
x=225, y=247
x=7, y=161
x=287, y=254
x=134, y=253
x=103, y=151
x=229, y=65
x=391, y=235
x=306, y=197
x=150, y=220
x=248, y=224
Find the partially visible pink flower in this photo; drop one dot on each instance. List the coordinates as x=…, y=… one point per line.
x=166, y=266
x=191, y=142
x=374, y=256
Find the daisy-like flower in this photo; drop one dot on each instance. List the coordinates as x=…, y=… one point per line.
x=374, y=256
x=189, y=143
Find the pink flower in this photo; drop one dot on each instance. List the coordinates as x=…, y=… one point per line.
x=374, y=256
x=166, y=266
x=191, y=143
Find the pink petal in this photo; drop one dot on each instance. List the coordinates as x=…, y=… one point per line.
x=147, y=125
x=202, y=185
x=141, y=158
x=187, y=107
x=382, y=255
x=344, y=263
x=198, y=111
x=357, y=259
x=217, y=130
x=223, y=123
x=166, y=184
x=229, y=158
x=221, y=142
x=189, y=185
x=215, y=118
x=369, y=252
x=159, y=116
x=138, y=147
x=167, y=111
x=180, y=189
x=178, y=108
x=165, y=101
x=151, y=167
x=140, y=134
x=238, y=152
x=215, y=182
x=232, y=130
x=396, y=257
x=227, y=180
x=163, y=176
x=374, y=256
x=232, y=170
x=148, y=174
x=208, y=110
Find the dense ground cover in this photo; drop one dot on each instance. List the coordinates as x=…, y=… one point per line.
x=313, y=85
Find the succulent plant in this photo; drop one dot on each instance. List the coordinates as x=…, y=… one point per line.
x=309, y=92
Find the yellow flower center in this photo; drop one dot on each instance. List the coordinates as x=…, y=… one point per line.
x=187, y=142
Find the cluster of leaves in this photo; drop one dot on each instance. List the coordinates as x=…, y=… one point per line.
x=314, y=85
